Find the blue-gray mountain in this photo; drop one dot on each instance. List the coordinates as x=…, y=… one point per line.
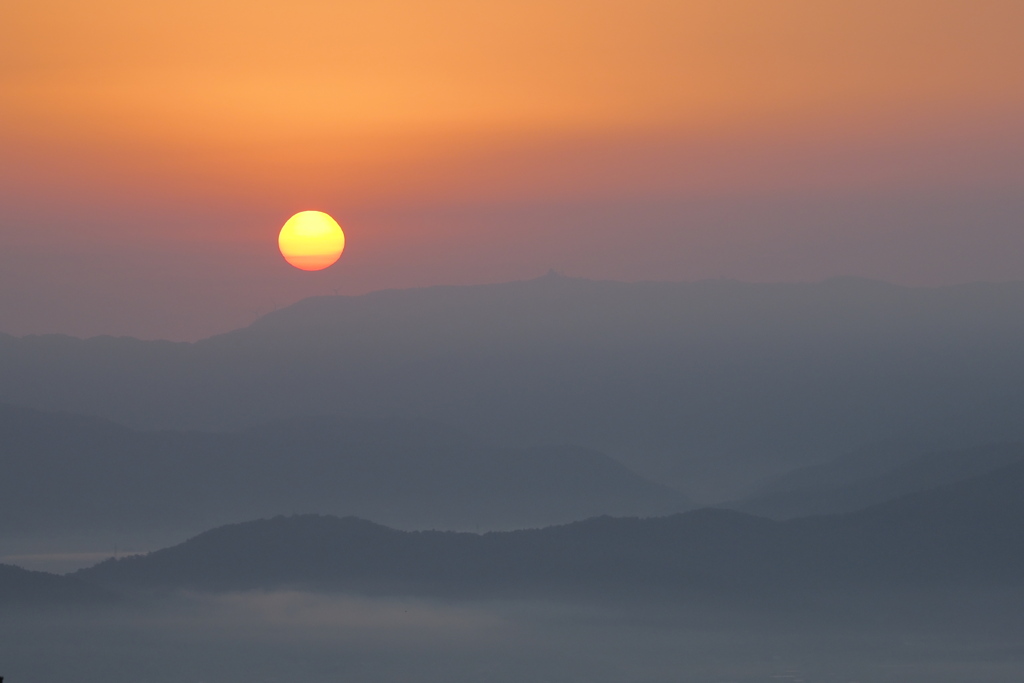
x=969, y=534
x=68, y=476
x=22, y=588
x=871, y=476
x=709, y=386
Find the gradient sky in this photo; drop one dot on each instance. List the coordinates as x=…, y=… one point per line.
x=151, y=150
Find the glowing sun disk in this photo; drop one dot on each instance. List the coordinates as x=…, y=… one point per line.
x=311, y=240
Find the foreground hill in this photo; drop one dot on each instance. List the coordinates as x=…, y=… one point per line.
x=66, y=474
x=707, y=385
x=969, y=534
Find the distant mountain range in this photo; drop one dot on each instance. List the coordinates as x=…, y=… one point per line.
x=967, y=534
x=708, y=386
x=66, y=474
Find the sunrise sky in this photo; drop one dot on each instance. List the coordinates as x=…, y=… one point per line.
x=150, y=151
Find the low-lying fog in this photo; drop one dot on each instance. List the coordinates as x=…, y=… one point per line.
x=309, y=638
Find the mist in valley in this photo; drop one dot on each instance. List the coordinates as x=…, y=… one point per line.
x=289, y=635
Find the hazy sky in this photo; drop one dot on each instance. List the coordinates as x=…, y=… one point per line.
x=150, y=151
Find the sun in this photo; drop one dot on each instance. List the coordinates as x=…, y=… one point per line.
x=311, y=240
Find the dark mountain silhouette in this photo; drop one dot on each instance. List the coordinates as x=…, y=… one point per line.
x=710, y=386
x=22, y=588
x=65, y=474
x=872, y=476
x=965, y=535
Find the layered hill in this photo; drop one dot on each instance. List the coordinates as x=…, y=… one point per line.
x=873, y=476
x=964, y=535
x=710, y=386
x=67, y=474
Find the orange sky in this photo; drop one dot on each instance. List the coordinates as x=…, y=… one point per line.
x=147, y=122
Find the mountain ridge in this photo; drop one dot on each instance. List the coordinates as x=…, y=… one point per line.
x=710, y=386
